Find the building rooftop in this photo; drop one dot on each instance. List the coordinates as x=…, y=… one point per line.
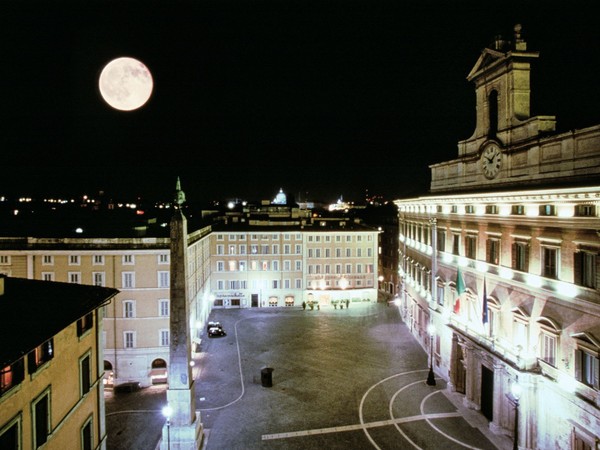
x=32, y=311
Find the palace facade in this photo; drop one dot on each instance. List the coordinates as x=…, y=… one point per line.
x=499, y=264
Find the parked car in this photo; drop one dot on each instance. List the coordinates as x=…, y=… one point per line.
x=216, y=331
x=212, y=324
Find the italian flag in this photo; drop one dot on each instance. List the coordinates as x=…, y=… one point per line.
x=460, y=290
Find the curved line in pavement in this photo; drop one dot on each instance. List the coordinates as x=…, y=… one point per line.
x=391, y=404
x=447, y=436
x=362, y=401
x=237, y=343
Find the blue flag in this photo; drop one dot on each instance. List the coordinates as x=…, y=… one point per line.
x=484, y=312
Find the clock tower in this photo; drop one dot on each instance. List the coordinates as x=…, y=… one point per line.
x=505, y=132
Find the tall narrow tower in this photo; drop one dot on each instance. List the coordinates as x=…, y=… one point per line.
x=183, y=430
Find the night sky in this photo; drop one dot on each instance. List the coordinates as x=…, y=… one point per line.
x=321, y=98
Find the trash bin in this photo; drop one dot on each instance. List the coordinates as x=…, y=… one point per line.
x=266, y=376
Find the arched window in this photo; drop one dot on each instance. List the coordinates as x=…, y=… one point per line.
x=493, y=111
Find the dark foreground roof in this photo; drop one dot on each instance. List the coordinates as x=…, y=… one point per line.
x=32, y=311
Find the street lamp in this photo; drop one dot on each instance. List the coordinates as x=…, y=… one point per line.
x=167, y=411
x=516, y=390
x=431, y=375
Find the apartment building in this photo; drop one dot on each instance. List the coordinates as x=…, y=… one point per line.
x=499, y=264
x=51, y=360
x=136, y=324
x=274, y=256
x=278, y=265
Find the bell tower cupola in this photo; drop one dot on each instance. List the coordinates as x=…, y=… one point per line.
x=502, y=93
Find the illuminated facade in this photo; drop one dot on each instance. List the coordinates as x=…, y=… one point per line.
x=51, y=365
x=505, y=266
x=235, y=265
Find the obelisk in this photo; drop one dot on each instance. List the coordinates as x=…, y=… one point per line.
x=183, y=430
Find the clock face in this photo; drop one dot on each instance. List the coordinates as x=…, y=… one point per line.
x=491, y=161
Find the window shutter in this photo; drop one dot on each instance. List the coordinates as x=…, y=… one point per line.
x=526, y=257
x=578, y=357
x=488, y=246
x=515, y=248
x=31, y=365
x=577, y=268
x=597, y=373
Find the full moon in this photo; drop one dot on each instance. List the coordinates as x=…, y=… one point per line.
x=125, y=84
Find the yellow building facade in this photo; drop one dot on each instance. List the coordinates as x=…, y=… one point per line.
x=51, y=390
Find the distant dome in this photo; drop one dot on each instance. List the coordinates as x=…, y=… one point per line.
x=280, y=198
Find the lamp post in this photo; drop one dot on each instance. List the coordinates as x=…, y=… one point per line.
x=431, y=375
x=167, y=411
x=516, y=390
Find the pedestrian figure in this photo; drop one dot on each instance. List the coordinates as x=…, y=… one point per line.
x=318, y=307
x=347, y=303
x=304, y=305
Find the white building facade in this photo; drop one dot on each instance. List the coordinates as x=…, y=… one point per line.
x=502, y=259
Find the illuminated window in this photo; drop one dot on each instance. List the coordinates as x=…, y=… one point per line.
x=232, y=265
x=493, y=251
x=232, y=249
x=11, y=376
x=265, y=265
x=40, y=356
x=585, y=268
x=254, y=249
x=242, y=266
x=471, y=246
x=520, y=256
x=550, y=262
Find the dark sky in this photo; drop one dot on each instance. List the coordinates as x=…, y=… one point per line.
x=321, y=97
